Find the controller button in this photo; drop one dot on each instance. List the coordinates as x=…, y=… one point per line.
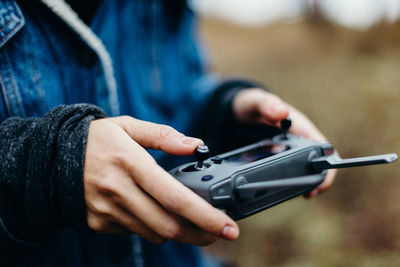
x=217, y=160
x=206, y=178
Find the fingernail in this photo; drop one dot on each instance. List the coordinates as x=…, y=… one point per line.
x=191, y=140
x=229, y=232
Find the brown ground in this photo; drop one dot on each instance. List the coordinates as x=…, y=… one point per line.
x=348, y=83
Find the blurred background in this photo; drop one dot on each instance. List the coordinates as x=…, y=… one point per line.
x=339, y=62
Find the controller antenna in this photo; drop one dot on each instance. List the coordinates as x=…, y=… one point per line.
x=202, y=153
x=285, y=126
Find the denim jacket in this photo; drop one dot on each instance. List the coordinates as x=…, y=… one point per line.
x=150, y=71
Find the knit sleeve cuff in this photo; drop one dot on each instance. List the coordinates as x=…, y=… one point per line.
x=71, y=147
x=55, y=195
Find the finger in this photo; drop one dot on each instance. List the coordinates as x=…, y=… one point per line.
x=180, y=200
x=158, y=136
x=327, y=182
x=115, y=228
x=134, y=225
x=257, y=105
x=302, y=126
x=162, y=222
x=195, y=235
x=324, y=186
x=272, y=108
x=109, y=217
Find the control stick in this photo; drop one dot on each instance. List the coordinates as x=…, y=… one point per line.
x=202, y=153
x=285, y=125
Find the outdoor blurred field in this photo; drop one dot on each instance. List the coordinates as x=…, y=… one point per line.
x=348, y=83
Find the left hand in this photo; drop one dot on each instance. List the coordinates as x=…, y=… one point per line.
x=257, y=105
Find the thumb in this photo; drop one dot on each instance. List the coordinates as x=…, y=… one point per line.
x=272, y=107
x=257, y=105
x=157, y=136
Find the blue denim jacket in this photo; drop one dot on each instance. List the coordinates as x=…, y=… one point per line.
x=159, y=77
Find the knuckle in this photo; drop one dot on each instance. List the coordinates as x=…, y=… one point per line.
x=125, y=117
x=108, y=186
x=120, y=120
x=167, y=131
x=95, y=223
x=124, y=121
x=172, y=231
x=101, y=208
x=120, y=158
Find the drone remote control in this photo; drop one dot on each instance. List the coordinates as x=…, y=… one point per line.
x=256, y=177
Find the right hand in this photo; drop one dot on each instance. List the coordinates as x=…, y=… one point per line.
x=126, y=191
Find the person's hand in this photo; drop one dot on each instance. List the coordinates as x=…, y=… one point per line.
x=257, y=105
x=127, y=192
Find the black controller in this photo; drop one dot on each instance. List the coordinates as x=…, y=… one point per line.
x=253, y=178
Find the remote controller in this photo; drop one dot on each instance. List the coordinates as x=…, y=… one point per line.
x=253, y=178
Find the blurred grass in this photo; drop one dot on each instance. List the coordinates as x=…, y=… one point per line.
x=348, y=83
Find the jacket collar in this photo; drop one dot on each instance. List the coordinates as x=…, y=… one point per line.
x=11, y=20
x=72, y=20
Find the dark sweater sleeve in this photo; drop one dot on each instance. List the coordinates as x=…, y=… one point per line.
x=219, y=128
x=41, y=174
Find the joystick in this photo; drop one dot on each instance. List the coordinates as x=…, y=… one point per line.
x=285, y=125
x=202, y=153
